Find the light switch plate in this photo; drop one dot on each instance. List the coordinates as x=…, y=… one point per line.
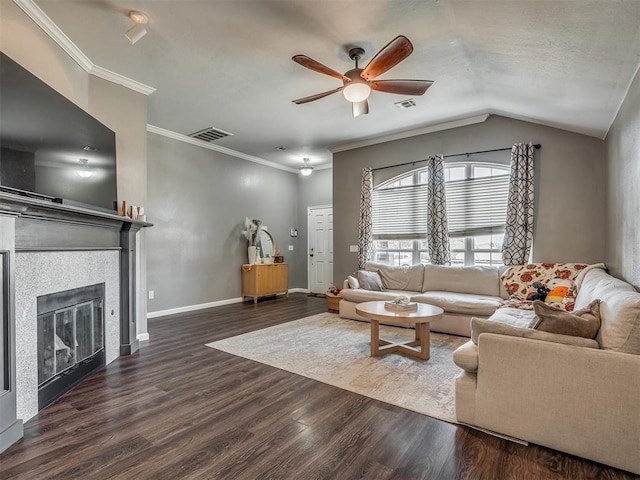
x=353, y=248
x=290, y=247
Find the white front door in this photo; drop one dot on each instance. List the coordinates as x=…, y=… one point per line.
x=320, y=228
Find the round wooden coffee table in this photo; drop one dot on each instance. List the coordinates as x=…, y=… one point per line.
x=418, y=348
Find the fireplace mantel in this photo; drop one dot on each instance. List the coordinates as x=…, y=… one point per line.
x=36, y=225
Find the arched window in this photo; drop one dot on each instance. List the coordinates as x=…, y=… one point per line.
x=476, y=210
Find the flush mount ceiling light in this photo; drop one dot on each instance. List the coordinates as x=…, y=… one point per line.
x=306, y=169
x=138, y=31
x=83, y=170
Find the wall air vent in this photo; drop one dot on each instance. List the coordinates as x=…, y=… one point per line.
x=210, y=134
x=406, y=103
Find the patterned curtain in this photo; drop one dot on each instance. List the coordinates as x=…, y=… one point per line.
x=518, y=233
x=365, y=228
x=437, y=229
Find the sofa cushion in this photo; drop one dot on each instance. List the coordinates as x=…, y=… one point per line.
x=579, y=323
x=399, y=278
x=478, y=280
x=466, y=357
x=460, y=302
x=513, y=316
x=358, y=295
x=370, y=280
x=504, y=293
x=480, y=326
x=619, y=310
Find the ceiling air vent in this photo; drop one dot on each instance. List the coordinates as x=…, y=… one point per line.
x=210, y=134
x=406, y=103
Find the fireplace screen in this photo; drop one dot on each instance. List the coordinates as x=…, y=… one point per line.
x=70, y=333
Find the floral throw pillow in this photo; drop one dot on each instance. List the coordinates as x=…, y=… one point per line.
x=553, y=283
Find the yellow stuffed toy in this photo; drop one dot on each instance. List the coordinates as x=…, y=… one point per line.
x=559, y=288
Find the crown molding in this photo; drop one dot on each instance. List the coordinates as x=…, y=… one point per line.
x=57, y=35
x=410, y=133
x=227, y=151
x=121, y=80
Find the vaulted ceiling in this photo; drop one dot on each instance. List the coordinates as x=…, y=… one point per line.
x=227, y=64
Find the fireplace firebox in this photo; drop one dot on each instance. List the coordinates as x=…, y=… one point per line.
x=70, y=339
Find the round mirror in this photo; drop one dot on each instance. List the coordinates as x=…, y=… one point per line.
x=267, y=244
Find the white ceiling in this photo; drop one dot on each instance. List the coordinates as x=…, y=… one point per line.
x=227, y=64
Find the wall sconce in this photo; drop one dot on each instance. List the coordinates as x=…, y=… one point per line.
x=138, y=31
x=306, y=169
x=84, y=170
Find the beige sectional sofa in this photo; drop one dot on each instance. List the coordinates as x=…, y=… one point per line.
x=573, y=394
x=462, y=292
x=577, y=395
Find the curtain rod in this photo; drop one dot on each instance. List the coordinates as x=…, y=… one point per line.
x=536, y=146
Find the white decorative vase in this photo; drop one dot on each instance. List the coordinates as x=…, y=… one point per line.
x=252, y=251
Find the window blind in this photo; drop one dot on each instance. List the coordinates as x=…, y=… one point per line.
x=477, y=206
x=400, y=213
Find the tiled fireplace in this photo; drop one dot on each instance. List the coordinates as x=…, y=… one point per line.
x=68, y=301
x=58, y=272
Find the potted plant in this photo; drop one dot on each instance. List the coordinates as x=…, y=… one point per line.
x=250, y=232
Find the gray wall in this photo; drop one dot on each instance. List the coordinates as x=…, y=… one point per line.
x=569, y=188
x=198, y=200
x=623, y=191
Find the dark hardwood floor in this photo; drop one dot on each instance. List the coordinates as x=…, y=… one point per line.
x=180, y=410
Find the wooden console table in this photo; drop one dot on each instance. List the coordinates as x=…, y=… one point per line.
x=265, y=279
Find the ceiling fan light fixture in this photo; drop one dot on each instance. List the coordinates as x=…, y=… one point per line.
x=306, y=169
x=358, y=82
x=356, y=92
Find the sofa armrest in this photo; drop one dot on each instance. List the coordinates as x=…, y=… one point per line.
x=578, y=400
x=345, y=284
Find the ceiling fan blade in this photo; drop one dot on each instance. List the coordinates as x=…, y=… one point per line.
x=311, y=64
x=402, y=87
x=317, y=96
x=393, y=53
x=360, y=108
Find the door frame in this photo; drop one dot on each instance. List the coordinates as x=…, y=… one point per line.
x=309, y=209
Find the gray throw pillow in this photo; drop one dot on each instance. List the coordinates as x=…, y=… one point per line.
x=579, y=323
x=370, y=280
x=353, y=282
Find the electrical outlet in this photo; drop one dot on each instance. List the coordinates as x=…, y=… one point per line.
x=353, y=248
x=290, y=248
x=152, y=294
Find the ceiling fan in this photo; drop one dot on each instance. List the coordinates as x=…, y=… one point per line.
x=357, y=83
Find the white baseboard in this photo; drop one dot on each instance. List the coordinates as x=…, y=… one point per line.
x=201, y=306
x=191, y=308
x=143, y=337
x=298, y=290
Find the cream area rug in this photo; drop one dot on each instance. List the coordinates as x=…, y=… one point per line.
x=336, y=351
